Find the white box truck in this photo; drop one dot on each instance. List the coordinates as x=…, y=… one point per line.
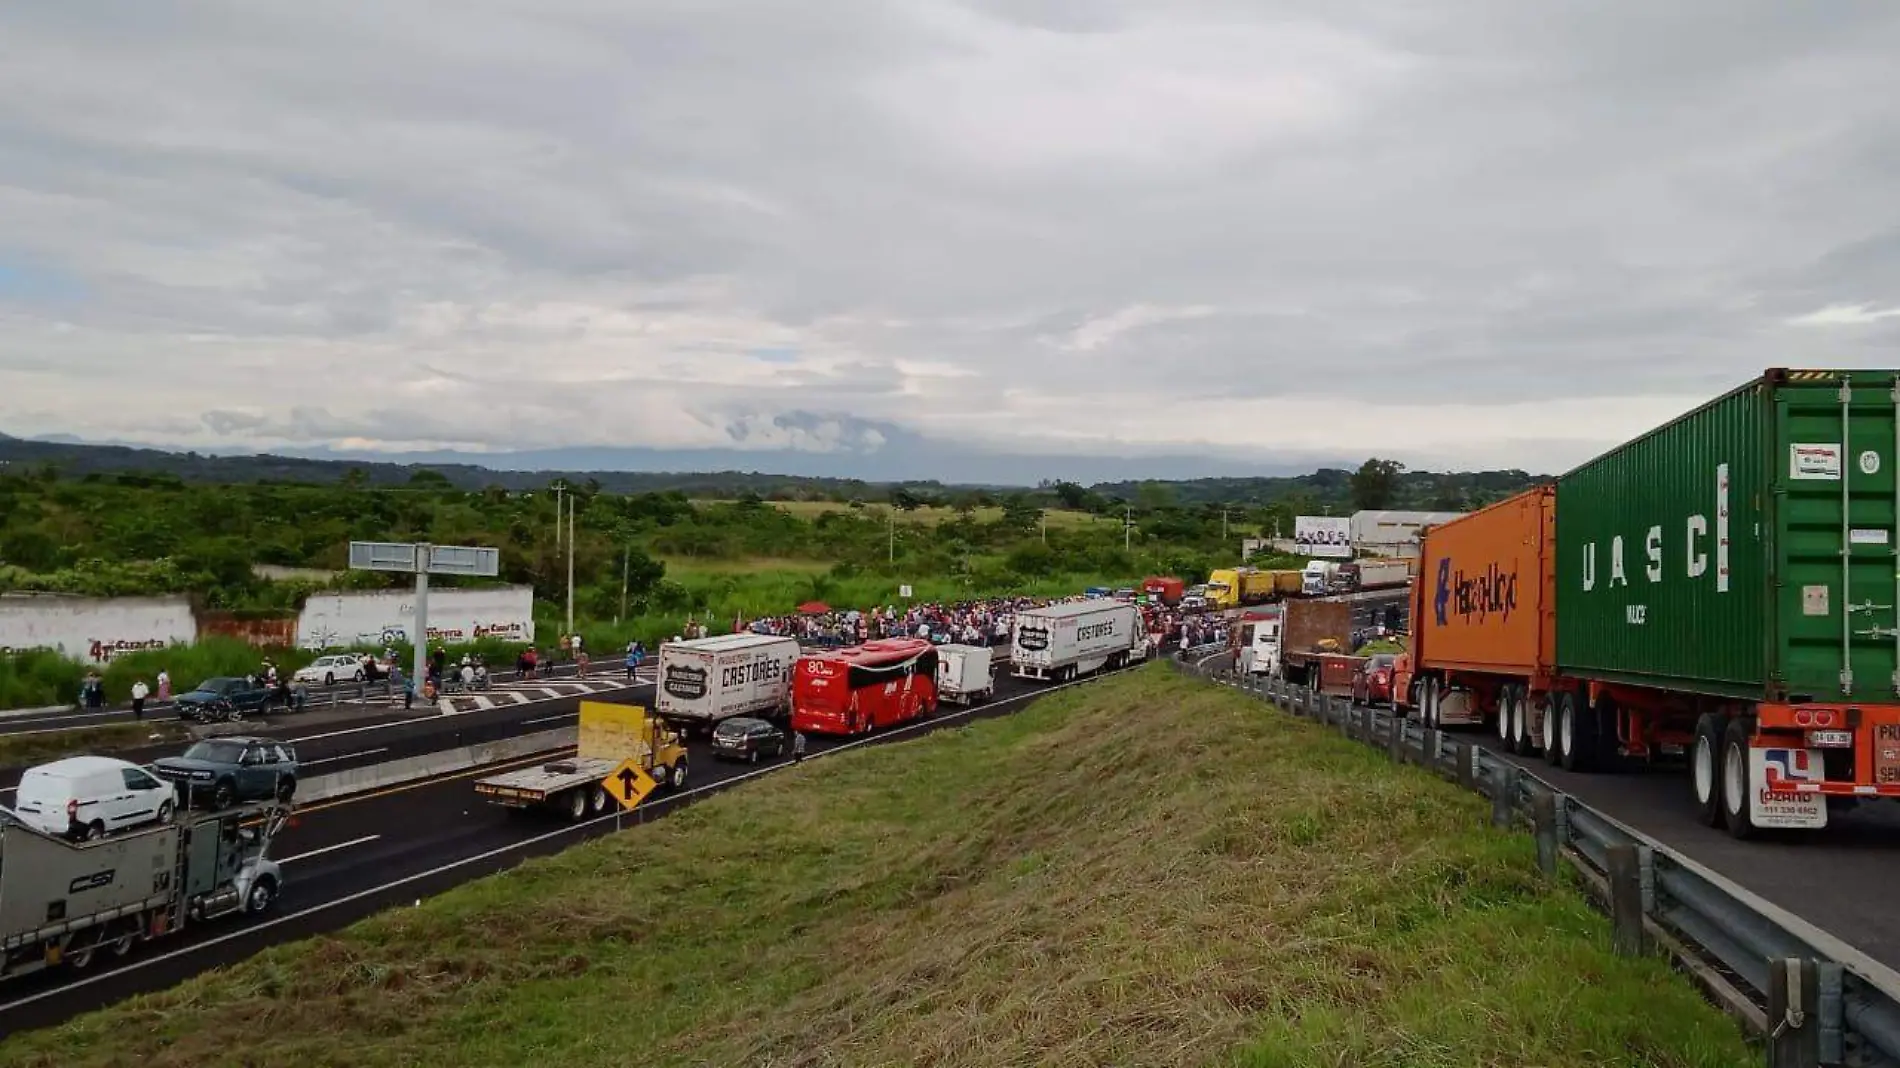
x=1060, y=641
x=963, y=674
x=707, y=680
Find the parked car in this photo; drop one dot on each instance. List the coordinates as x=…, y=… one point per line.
x=227, y=771
x=220, y=699
x=745, y=738
x=86, y=797
x=1372, y=682
x=326, y=670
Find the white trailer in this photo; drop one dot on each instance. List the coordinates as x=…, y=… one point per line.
x=963, y=674
x=1060, y=641
x=707, y=680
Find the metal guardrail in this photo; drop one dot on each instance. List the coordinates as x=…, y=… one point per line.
x=1816, y=1000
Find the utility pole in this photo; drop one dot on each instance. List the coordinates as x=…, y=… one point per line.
x=1045, y=529
x=1128, y=526
x=626, y=555
x=1223, y=522
x=570, y=564
x=559, y=545
x=893, y=542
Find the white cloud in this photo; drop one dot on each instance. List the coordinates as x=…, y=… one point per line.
x=1844, y=315
x=1476, y=229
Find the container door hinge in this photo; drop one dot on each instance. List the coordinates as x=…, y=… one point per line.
x=1868, y=606
x=1877, y=631
x=1847, y=680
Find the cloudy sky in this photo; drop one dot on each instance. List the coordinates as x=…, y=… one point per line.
x=1470, y=232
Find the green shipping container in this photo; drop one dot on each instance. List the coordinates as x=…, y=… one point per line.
x=1745, y=550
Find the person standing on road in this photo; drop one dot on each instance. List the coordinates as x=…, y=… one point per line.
x=798, y=746
x=1246, y=660
x=164, y=685
x=139, y=693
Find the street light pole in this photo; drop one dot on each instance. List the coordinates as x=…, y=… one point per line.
x=570, y=564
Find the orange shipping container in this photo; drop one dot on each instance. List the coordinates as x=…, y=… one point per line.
x=1485, y=597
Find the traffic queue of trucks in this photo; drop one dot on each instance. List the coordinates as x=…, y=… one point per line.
x=1724, y=588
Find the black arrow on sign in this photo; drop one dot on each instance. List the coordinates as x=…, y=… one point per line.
x=627, y=779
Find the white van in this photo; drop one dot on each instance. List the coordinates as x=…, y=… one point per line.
x=88, y=796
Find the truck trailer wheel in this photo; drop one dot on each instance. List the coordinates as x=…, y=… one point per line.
x=1705, y=768
x=1506, y=703
x=1547, y=727
x=1738, y=800
x=1575, y=737
x=577, y=805
x=1428, y=703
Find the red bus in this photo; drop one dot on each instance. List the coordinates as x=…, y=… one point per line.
x=865, y=687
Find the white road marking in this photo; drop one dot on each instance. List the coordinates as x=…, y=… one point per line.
x=549, y=719
x=345, y=756
x=329, y=849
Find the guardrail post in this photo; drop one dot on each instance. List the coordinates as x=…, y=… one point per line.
x=1466, y=755
x=1544, y=827
x=1395, y=740
x=1793, y=1017
x=1503, y=795
x=1830, y=1003
x=1369, y=727
x=1626, y=900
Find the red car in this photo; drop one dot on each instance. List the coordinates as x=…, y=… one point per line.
x=1372, y=683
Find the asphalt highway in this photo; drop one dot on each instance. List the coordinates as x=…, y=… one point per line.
x=1836, y=878
x=37, y=722
x=347, y=858
x=328, y=742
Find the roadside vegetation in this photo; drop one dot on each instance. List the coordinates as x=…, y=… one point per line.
x=1147, y=871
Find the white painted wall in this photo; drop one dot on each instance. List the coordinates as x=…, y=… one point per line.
x=335, y=620
x=93, y=630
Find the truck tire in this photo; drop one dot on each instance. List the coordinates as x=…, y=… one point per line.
x=576, y=805
x=263, y=895
x=1705, y=767
x=1428, y=703
x=679, y=775
x=598, y=800
x=1576, y=733
x=1738, y=800
x=1505, y=700
x=1547, y=729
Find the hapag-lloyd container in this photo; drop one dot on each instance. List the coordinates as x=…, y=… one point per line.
x=1482, y=598
x=1744, y=550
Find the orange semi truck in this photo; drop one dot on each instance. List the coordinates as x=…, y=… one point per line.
x=1722, y=588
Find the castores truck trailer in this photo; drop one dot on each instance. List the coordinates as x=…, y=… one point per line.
x=1723, y=587
x=708, y=680
x=1061, y=641
x=609, y=735
x=65, y=902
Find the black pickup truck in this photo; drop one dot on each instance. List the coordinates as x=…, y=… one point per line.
x=217, y=700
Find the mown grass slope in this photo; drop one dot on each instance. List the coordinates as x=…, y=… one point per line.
x=1149, y=871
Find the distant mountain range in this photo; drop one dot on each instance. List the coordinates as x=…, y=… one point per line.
x=719, y=476
x=857, y=451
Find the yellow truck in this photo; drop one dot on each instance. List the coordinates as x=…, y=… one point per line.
x=610, y=735
x=1236, y=586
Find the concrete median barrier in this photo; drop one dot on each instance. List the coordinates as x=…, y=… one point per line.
x=430, y=765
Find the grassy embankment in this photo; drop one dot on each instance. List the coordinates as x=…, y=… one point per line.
x=1151, y=871
x=22, y=750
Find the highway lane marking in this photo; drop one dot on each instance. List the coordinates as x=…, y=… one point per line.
x=509, y=848
x=549, y=719
x=329, y=849
x=345, y=756
x=411, y=721
x=351, y=799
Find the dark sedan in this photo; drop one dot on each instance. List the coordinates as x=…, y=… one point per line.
x=217, y=700
x=226, y=771
x=744, y=738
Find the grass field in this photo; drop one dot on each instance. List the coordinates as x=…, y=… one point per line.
x=930, y=514
x=1147, y=872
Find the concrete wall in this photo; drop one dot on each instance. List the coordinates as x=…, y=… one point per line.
x=93, y=630
x=375, y=618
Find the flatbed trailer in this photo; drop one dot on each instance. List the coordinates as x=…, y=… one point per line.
x=64, y=903
x=609, y=735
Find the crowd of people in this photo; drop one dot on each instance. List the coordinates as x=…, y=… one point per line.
x=985, y=621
